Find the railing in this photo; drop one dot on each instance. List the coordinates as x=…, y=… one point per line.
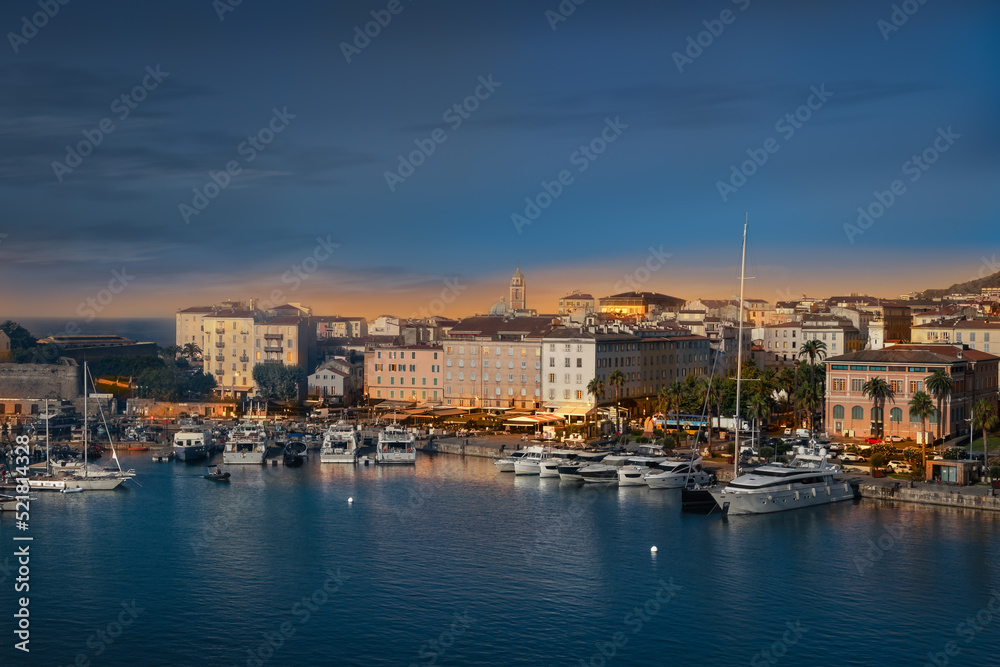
x=270, y=336
x=220, y=343
x=220, y=329
x=244, y=358
x=220, y=357
x=272, y=348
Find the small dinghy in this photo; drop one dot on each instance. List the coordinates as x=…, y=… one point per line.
x=75, y=489
x=217, y=476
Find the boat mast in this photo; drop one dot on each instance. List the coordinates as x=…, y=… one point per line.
x=48, y=457
x=739, y=356
x=85, y=422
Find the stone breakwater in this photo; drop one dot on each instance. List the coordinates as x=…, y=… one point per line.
x=970, y=497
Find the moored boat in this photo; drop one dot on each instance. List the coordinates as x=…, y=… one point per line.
x=395, y=445
x=340, y=444
x=192, y=445
x=246, y=444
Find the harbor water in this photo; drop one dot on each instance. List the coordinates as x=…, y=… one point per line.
x=451, y=563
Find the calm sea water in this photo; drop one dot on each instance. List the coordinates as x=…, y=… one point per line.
x=151, y=330
x=451, y=563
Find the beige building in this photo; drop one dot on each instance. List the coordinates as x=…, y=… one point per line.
x=576, y=301
x=983, y=335
x=405, y=374
x=189, y=326
x=228, y=350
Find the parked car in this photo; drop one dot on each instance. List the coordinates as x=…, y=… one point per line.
x=873, y=440
x=852, y=458
x=894, y=438
x=900, y=466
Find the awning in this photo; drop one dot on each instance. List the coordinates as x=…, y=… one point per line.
x=526, y=420
x=448, y=412
x=395, y=405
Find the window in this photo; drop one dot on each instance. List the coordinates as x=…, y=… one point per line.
x=896, y=415
x=552, y=362
x=857, y=384
x=857, y=413
x=838, y=412
x=579, y=394
x=566, y=364
x=839, y=384
x=579, y=362
x=552, y=377
x=896, y=386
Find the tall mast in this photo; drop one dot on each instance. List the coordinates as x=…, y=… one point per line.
x=739, y=354
x=48, y=457
x=85, y=421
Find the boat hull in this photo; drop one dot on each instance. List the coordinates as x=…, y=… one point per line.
x=678, y=481
x=526, y=468
x=244, y=458
x=504, y=465
x=782, y=500
x=330, y=457
x=195, y=453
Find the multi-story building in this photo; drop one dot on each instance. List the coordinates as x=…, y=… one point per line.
x=341, y=327
x=569, y=363
x=189, y=327
x=906, y=368
x=782, y=343
x=576, y=301
x=495, y=362
x=228, y=350
x=405, y=374
x=979, y=334
x=639, y=304
x=4, y=346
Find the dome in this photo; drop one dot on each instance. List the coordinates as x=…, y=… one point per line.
x=499, y=308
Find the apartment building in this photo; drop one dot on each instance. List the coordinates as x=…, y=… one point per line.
x=978, y=334
x=405, y=374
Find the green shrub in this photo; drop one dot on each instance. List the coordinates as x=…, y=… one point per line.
x=878, y=460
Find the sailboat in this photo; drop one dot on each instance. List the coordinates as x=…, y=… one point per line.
x=83, y=478
x=810, y=479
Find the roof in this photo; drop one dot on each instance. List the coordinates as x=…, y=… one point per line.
x=284, y=320
x=492, y=325
x=643, y=295
x=231, y=314
x=577, y=296
x=854, y=298
x=196, y=309
x=961, y=324
x=916, y=353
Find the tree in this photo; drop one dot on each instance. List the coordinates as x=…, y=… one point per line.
x=922, y=407
x=277, y=381
x=676, y=394
x=171, y=351
x=20, y=338
x=617, y=380
x=984, y=416
x=786, y=383
x=191, y=350
x=878, y=390
x=596, y=389
x=940, y=384
x=809, y=399
x=813, y=349
x=759, y=408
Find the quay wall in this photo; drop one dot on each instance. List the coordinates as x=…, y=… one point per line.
x=459, y=447
x=32, y=381
x=929, y=497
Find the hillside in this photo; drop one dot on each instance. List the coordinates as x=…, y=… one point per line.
x=970, y=287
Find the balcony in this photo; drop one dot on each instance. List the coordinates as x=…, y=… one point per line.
x=244, y=358
x=220, y=330
x=272, y=348
x=268, y=336
x=220, y=357
x=220, y=343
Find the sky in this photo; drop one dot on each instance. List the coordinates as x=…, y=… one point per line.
x=406, y=157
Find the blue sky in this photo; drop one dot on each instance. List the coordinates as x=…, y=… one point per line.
x=311, y=217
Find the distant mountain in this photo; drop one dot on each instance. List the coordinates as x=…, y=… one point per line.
x=970, y=287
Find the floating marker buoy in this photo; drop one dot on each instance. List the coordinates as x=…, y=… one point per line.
x=351, y=499
x=652, y=550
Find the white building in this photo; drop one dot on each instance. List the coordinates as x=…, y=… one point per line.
x=569, y=363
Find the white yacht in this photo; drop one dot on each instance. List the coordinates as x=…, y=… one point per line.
x=677, y=474
x=340, y=444
x=636, y=467
x=247, y=443
x=559, y=457
x=569, y=471
x=192, y=445
x=395, y=445
x=808, y=480
x=531, y=462
x=506, y=464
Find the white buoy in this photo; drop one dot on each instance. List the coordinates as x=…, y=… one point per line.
x=652, y=550
x=351, y=499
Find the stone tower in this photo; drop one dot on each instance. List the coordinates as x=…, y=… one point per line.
x=518, y=291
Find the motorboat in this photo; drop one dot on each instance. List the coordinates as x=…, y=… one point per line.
x=192, y=445
x=506, y=464
x=531, y=462
x=296, y=450
x=395, y=445
x=340, y=444
x=550, y=467
x=246, y=444
x=569, y=471
x=636, y=467
x=809, y=479
x=678, y=473
x=217, y=475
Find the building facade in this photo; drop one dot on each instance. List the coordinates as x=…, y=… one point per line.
x=906, y=368
x=408, y=374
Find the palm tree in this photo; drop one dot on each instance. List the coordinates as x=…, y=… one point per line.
x=675, y=394
x=984, y=416
x=813, y=349
x=786, y=382
x=170, y=351
x=922, y=406
x=710, y=390
x=617, y=380
x=878, y=390
x=759, y=407
x=596, y=388
x=808, y=397
x=940, y=384
x=191, y=350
